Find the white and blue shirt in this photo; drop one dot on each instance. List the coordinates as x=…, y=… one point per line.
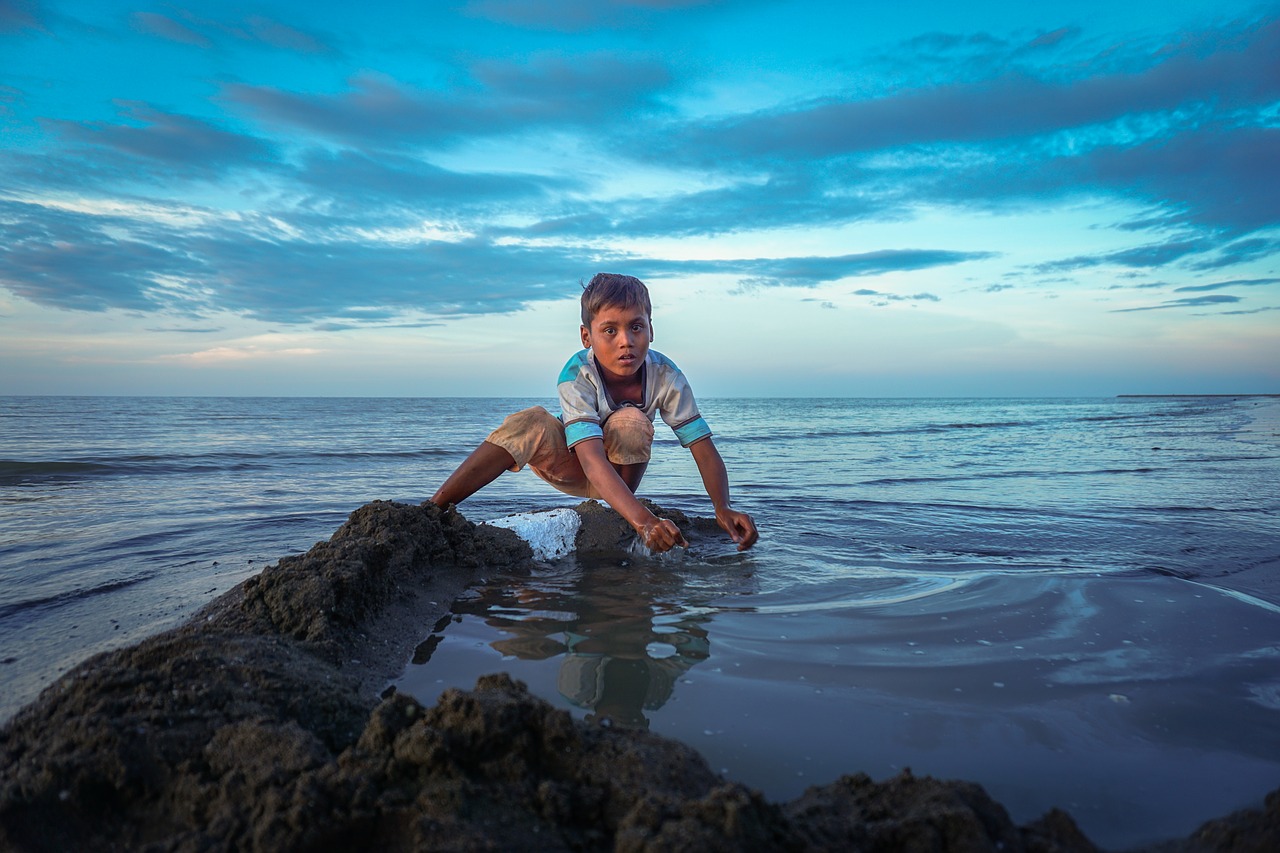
x=585, y=403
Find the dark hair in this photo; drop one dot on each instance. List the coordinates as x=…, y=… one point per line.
x=620, y=291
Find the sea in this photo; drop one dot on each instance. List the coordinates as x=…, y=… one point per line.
x=1072, y=602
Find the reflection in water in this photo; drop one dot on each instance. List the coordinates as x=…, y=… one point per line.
x=625, y=633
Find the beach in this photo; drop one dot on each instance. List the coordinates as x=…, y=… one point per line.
x=252, y=727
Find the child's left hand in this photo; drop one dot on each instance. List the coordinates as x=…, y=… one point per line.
x=740, y=527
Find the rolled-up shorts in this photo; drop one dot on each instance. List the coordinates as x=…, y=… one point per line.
x=535, y=437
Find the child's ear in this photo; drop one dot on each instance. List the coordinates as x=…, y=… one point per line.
x=586, y=336
x=650, y=331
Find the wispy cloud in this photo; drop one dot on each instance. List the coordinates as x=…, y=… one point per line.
x=756, y=273
x=1187, y=302
x=187, y=27
x=167, y=28
x=499, y=97
x=880, y=298
x=578, y=15
x=191, y=145
x=1147, y=256
x=19, y=15
x=214, y=356
x=75, y=259
x=1219, y=285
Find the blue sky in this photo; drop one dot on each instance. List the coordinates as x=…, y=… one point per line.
x=826, y=198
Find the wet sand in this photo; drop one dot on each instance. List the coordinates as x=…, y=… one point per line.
x=258, y=725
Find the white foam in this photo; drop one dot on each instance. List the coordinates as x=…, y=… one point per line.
x=550, y=534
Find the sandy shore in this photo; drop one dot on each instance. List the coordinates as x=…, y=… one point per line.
x=257, y=725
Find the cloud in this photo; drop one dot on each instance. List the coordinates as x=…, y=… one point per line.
x=223, y=354
x=1219, y=285
x=1163, y=254
x=1187, y=302
x=401, y=181
x=167, y=28
x=1239, y=252
x=500, y=98
x=61, y=259
x=1185, y=129
x=286, y=37
x=68, y=259
x=9, y=98
x=1218, y=175
x=186, y=27
x=785, y=198
x=1216, y=72
x=256, y=267
x=881, y=299
x=1151, y=255
x=191, y=145
x=1252, y=311
x=941, y=58
x=577, y=15
x=19, y=15
x=808, y=271
x=1146, y=285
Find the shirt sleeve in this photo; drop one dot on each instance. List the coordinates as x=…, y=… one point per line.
x=679, y=408
x=578, y=400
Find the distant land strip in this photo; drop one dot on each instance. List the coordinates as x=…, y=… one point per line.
x=1190, y=396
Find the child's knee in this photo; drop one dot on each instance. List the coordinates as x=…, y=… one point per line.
x=628, y=437
x=528, y=435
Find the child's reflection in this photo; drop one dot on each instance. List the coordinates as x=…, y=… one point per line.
x=623, y=649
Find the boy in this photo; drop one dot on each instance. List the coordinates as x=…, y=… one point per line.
x=600, y=447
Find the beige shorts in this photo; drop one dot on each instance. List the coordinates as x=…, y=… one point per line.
x=535, y=437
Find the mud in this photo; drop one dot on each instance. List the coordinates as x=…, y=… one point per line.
x=257, y=726
x=605, y=535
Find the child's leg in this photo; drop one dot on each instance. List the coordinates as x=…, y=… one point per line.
x=535, y=437
x=628, y=443
x=524, y=438
x=485, y=464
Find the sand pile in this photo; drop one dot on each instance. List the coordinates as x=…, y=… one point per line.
x=257, y=726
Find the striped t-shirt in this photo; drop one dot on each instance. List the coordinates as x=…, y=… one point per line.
x=585, y=403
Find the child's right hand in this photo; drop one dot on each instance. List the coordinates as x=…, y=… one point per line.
x=661, y=534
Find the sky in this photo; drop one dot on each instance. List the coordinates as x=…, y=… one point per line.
x=838, y=199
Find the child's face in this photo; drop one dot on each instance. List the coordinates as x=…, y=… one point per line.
x=619, y=338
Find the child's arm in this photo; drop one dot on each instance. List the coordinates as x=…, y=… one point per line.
x=740, y=526
x=658, y=534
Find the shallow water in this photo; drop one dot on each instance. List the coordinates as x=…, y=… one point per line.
x=1030, y=594
x=1142, y=705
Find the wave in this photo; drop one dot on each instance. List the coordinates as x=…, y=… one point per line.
x=951, y=427
x=15, y=472
x=60, y=599
x=923, y=429
x=1002, y=475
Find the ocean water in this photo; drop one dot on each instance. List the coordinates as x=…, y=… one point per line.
x=1041, y=596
